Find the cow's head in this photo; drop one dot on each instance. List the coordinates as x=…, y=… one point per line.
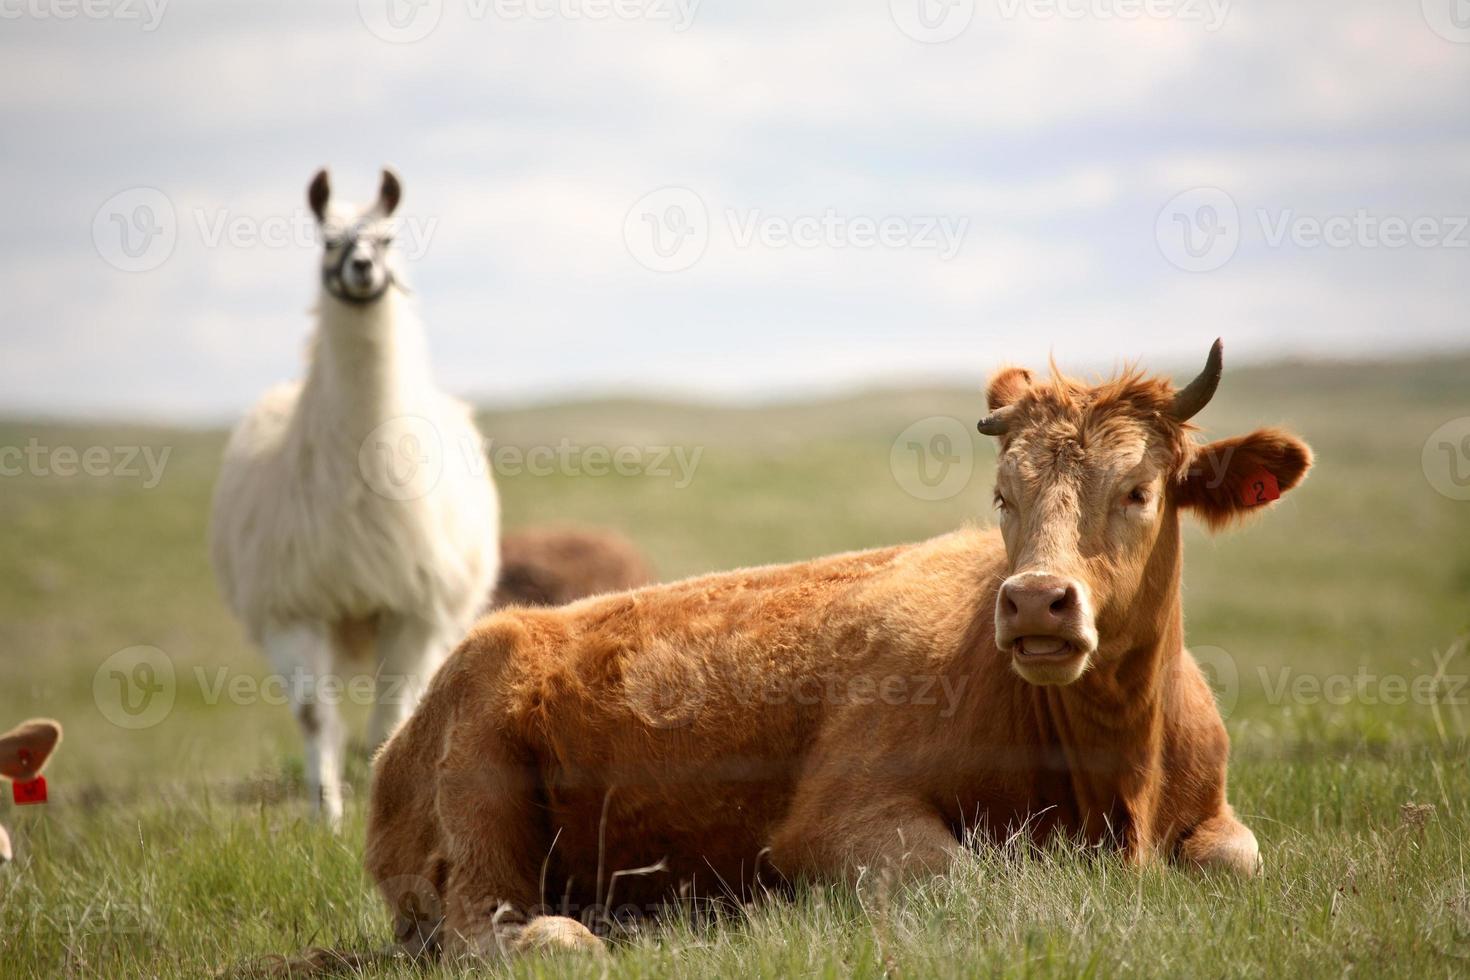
x=1089, y=482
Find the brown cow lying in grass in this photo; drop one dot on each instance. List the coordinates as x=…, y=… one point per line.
x=868, y=710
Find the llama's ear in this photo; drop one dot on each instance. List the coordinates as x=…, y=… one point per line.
x=318, y=193
x=390, y=193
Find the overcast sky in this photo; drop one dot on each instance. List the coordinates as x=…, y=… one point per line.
x=728, y=197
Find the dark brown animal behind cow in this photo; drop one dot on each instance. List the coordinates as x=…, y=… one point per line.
x=551, y=566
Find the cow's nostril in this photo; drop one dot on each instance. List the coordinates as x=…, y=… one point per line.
x=1039, y=605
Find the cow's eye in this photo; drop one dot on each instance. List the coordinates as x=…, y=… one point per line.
x=1138, y=495
x=1001, y=504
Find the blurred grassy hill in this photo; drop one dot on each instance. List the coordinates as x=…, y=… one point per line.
x=1366, y=567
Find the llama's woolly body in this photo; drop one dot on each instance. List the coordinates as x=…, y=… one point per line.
x=318, y=514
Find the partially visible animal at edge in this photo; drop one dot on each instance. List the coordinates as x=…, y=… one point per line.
x=355, y=523
x=24, y=751
x=552, y=566
x=865, y=713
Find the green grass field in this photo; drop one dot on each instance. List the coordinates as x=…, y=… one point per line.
x=1333, y=627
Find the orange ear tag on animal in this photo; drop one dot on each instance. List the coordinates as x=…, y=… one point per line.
x=1259, y=488
x=29, y=791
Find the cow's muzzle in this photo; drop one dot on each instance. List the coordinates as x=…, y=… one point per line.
x=1045, y=622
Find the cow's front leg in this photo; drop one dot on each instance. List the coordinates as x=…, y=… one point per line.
x=1222, y=843
x=839, y=837
x=495, y=841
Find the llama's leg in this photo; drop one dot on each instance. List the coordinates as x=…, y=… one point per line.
x=410, y=649
x=495, y=840
x=1222, y=843
x=837, y=838
x=302, y=653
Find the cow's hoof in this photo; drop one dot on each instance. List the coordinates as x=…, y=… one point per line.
x=1230, y=848
x=507, y=935
x=553, y=933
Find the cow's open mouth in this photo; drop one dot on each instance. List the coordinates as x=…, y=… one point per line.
x=1043, y=649
x=1050, y=660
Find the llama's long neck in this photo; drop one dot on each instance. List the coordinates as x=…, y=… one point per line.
x=368, y=364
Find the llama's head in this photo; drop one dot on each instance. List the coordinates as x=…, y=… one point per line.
x=356, y=266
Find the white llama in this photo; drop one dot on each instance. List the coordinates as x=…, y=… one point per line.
x=355, y=512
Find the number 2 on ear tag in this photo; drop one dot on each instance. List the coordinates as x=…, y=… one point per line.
x=1259, y=488
x=29, y=791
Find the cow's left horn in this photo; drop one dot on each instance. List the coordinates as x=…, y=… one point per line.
x=996, y=423
x=1197, y=394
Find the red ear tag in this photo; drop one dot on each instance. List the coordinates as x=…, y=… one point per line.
x=1259, y=488
x=30, y=791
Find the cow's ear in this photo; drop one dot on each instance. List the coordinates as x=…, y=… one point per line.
x=1008, y=385
x=1231, y=478
x=25, y=748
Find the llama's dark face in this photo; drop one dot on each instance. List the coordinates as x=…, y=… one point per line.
x=356, y=266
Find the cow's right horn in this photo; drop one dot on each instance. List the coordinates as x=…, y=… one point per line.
x=1197, y=394
x=996, y=423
